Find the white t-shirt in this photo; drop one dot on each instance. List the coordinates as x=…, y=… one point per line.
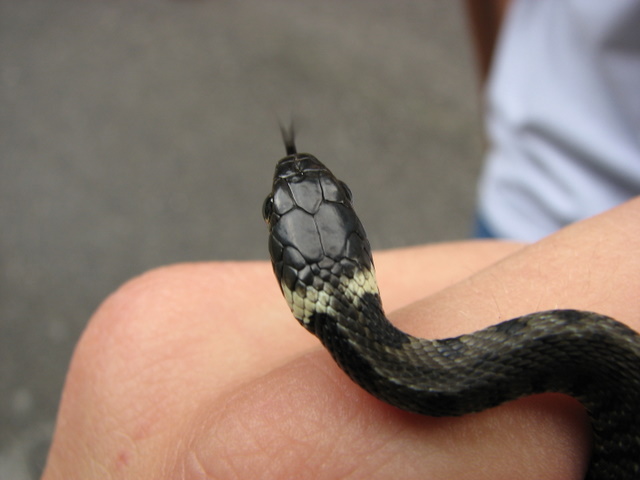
x=563, y=115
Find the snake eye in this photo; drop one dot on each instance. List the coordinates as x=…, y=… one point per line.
x=347, y=191
x=267, y=208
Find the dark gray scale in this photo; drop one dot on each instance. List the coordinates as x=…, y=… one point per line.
x=316, y=239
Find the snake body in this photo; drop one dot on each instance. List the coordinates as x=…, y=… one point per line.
x=323, y=262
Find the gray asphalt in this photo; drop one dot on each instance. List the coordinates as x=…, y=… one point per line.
x=142, y=133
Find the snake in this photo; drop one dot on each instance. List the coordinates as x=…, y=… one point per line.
x=323, y=263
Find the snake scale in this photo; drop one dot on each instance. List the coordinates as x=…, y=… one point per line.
x=323, y=263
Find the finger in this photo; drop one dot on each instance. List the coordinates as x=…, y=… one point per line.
x=591, y=265
x=409, y=274
x=307, y=420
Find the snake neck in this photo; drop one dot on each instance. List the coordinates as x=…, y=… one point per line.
x=332, y=293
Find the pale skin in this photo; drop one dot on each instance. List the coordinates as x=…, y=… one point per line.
x=199, y=371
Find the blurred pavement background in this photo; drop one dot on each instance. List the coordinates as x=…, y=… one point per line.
x=140, y=133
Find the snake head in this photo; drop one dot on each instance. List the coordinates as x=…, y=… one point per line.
x=316, y=240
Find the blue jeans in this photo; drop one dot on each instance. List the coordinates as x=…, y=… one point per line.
x=480, y=228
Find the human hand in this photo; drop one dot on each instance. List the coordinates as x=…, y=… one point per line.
x=200, y=371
